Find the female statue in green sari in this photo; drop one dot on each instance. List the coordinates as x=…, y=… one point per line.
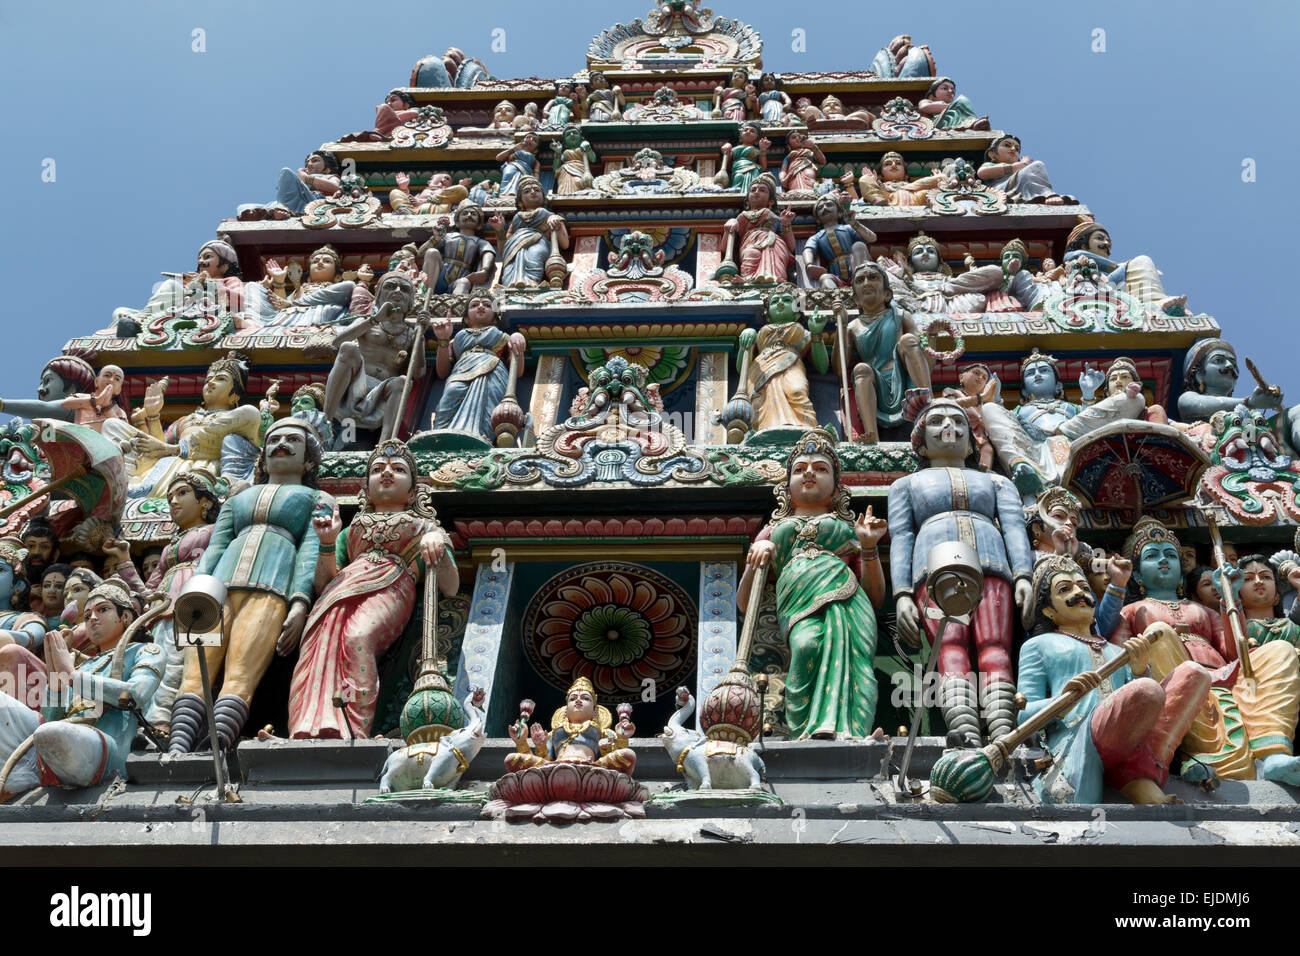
x=828, y=581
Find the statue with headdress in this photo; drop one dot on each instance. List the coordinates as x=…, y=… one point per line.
x=1125, y=727
x=766, y=239
x=1250, y=712
x=221, y=436
x=367, y=580
x=532, y=244
x=215, y=287
x=580, y=770
x=1139, y=276
x=79, y=732
x=322, y=298
x=1210, y=374
x=950, y=500
x=829, y=581
x=1032, y=440
x=923, y=282
x=62, y=377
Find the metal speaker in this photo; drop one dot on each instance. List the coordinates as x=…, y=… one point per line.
x=198, y=609
x=956, y=580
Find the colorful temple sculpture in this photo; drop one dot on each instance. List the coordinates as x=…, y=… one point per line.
x=669, y=384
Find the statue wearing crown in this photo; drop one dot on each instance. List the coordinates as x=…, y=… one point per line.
x=579, y=771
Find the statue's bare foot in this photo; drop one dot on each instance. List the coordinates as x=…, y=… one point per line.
x=1054, y=200
x=267, y=733
x=1145, y=791
x=1173, y=305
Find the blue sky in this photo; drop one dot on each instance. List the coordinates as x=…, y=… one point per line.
x=153, y=143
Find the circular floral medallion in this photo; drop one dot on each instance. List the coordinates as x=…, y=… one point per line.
x=617, y=624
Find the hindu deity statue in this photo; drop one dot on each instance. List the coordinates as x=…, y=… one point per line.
x=976, y=385
x=460, y=259
x=730, y=101
x=99, y=409
x=1121, y=373
x=891, y=360
x=1125, y=728
x=766, y=239
x=518, y=162
x=1052, y=523
x=1244, y=718
x=830, y=254
x=580, y=733
x=264, y=548
x=900, y=58
x=1021, y=178
x=1139, y=276
x=505, y=115
x=62, y=377
x=535, y=236
x=1025, y=437
x=603, y=103
x=216, y=285
x=82, y=733
x=367, y=579
x=829, y=580
x=475, y=363
x=397, y=108
x=947, y=110
x=440, y=197
x=948, y=500
x=748, y=160
x=369, y=377
x=802, y=161
x=778, y=382
x=832, y=111
x=220, y=436
x=573, y=159
x=319, y=177
x=307, y=404
x=1018, y=291
x=1258, y=597
x=20, y=629
x=321, y=300
x=923, y=282
x=559, y=109
x=1210, y=374
x=193, y=501
x=773, y=104
x=891, y=187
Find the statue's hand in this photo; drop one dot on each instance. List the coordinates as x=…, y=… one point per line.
x=1090, y=379
x=747, y=339
x=442, y=329
x=817, y=322
x=117, y=548
x=291, y=632
x=1119, y=570
x=726, y=149
x=1082, y=683
x=328, y=526
x=1263, y=397
x=1024, y=598
x=907, y=618
x=870, y=529
x=760, y=554
x=1139, y=654
x=433, y=546
x=153, y=397
x=1064, y=540
x=517, y=345
x=148, y=445
x=1235, y=579
x=403, y=181
x=538, y=735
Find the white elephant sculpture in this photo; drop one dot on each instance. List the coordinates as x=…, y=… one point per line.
x=709, y=764
x=438, y=764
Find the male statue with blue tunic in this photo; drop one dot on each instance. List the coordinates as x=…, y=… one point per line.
x=951, y=501
x=1125, y=728
x=264, y=548
x=83, y=732
x=830, y=254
